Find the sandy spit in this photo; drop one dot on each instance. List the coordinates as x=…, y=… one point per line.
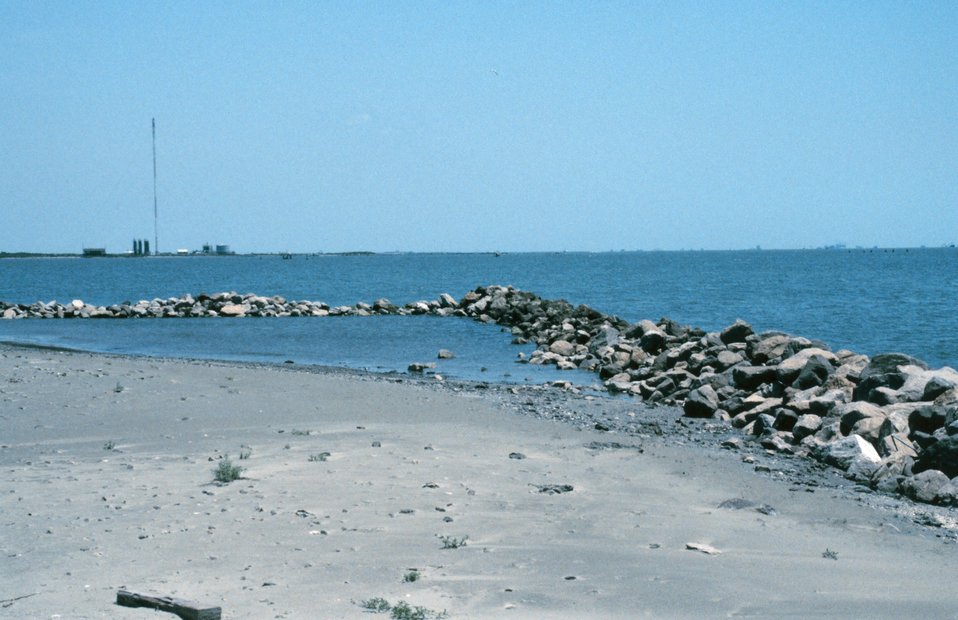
x=352, y=484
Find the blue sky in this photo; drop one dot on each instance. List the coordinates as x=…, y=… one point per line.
x=476, y=126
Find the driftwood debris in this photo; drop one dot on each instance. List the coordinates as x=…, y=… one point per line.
x=187, y=610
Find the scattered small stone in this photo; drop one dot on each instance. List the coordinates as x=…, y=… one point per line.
x=733, y=443
x=377, y=444
x=554, y=489
x=517, y=456
x=612, y=445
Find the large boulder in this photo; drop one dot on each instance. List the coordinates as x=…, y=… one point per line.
x=884, y=371
x=605, y=336
x=923, y=385
x=924, y=486
x=843, y=452
x=941, y=455
x=940, y=382
x=636, y=330
x=702, y=402
x=861, y=418
x=948, y=494
x=790, y=368
x=768, y=348
x=234, y=310
x=653, y=340
x=736, y=332
x=750, y=377
x=927, y=418
x=727, y=359
x=815, y=373
x=806, y=425
x=563, y=348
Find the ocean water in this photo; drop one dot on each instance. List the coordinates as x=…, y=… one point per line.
x=869, y=301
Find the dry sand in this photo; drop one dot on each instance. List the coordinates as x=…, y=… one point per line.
x=306, y=538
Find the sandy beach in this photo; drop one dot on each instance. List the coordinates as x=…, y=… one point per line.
x=352, y=485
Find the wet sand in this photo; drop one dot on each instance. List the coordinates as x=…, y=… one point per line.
x=107, y=483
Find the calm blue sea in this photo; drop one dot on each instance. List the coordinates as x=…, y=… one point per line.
x=869, y=301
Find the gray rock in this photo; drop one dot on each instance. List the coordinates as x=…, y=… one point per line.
x=702, y=402
x=736, y=332
x=862, y=470
x=924, y=486
x=445, y=354
x=790, y=368
x=763, y=424
x=938, y=385
x=941, y=455
x=927, y=418
x=235, y=310
x=605, y=336
x=825, y=403
x=948, y=494
x=750, y=377
x=918, y=381
x=843, y=452
x=653, y=340
x=785, y=420
x=778, y=442
x=770, y=348
x=806, y=425
x=815, y=373
x=727, y=359
x=883, y=371
x=890, y=473
x=563, y=348
x=861, y=418
x=637, y=330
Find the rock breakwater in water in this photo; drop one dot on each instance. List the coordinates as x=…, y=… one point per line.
x=888, y=421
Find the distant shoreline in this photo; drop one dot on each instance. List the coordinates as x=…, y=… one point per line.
x=855, y=249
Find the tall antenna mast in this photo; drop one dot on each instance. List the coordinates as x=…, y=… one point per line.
x=156, y=236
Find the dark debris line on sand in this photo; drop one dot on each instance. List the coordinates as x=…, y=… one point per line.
x=889, y=422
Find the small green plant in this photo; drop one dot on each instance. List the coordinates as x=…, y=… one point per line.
x=377, y=604
x=300, y=433
x=828, y=554
x=412, y=576
x=245, y=453
x=226, y=472
x=110, y=445
x=401, y=610
x=451, y=542
x=404, y=611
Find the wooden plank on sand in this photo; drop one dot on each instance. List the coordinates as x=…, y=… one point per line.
x=187, y=610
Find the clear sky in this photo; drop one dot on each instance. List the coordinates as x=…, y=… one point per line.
x=478, y=126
